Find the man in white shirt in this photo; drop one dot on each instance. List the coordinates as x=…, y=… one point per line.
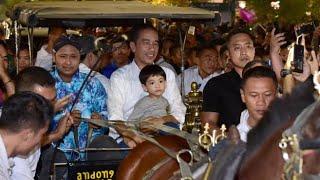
x=206, y=68
x=44, y=55
x=25, y=166
x=125, y=88
x=24, y=120
x=258, y=90
x=39, y=81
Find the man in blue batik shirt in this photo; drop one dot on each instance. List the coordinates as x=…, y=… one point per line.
x=92, y=99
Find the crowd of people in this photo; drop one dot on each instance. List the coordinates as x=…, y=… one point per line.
x=135, y=75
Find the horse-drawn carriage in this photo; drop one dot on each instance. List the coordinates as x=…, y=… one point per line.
x=82, y=14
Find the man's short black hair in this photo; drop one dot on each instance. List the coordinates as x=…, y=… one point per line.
x=25, y=110
x=254, y=63
x=23, y=46
x=135, y=31
x=239, y=31
x=149, y=71
x=28, y=78
x=259, y=72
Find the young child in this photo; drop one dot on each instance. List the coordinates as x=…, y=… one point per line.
x=153, y=80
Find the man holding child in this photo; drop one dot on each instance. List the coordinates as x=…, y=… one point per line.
x=126, y=90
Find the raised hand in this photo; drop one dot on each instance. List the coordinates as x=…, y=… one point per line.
x=64, y=125
x=307, y=62
x=61, y=103
x=276, y=41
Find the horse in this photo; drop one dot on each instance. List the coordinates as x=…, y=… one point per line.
x=146, y=155
x=148, y=161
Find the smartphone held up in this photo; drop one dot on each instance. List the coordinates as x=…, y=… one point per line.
x=298, y=58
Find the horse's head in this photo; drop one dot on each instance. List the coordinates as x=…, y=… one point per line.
x=307, y=129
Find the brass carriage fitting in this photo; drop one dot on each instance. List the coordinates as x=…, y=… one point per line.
x=206, y=139
x=221, y=136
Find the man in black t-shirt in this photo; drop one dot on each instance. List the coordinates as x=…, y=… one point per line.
x=221, y=96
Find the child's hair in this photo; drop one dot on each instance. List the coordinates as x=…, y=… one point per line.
x=149, y=71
